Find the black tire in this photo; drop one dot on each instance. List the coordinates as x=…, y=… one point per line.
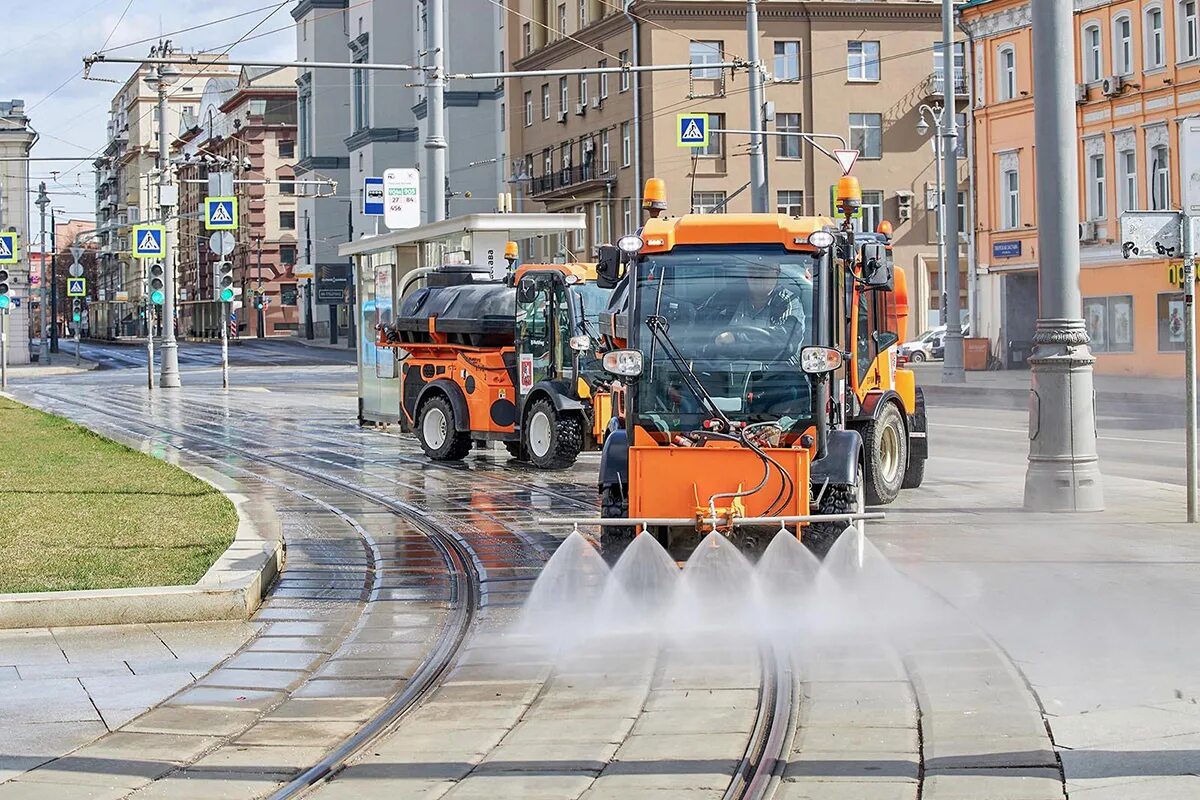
x=914, y=476
x=516, y=451
x=885, y=449
x=551, y=440
x=441, y=440
x=917, y=356
x=818, y=537
x=614, y=538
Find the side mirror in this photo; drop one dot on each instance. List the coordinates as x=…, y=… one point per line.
x=885, y=339
x=608, y=266
x=526, y=290
x=876, y=266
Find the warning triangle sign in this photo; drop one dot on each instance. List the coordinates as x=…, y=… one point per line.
x=692, y=132
x=149, y=242
x=846, y=158
x=221, y=214
x=5, y=250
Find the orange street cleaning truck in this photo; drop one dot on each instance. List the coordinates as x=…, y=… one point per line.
x=757, y=355
x=512, y=360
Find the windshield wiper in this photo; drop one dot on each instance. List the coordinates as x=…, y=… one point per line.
x=658, y=327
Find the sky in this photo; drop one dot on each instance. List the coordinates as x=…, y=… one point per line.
x=43, y=61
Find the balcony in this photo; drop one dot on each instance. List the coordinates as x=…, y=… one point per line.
x=563, y=181
x=934, y=85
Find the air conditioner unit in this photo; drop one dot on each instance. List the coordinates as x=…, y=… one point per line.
x=1081, y=93
x=1113, y=85
x=580, y=109
x=588, y=146
x=904, y=206
x=1087, y=231
x=562, y=116
x=597, y=101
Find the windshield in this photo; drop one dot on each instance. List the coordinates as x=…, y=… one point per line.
x=738, y=315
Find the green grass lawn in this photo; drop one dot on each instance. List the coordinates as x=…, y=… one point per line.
x=78, y=511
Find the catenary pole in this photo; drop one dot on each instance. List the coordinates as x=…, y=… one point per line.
x=1064, y=471
x=169, y=374
x=42, y=201
x=758, y=172
x=1189, y=334
x=435, y=139
x=952, y=365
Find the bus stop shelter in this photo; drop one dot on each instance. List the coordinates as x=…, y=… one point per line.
x=388, y=266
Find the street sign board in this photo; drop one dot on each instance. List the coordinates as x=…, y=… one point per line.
x=121, y=297
x=221, y=243
x=9, y=246
x=691, y=130
x=147, y=241
x=76, y=270
x=402, y=198
x=1151, y=234
x=1009, y=249
x=76, y=287
x=301, y=271
x=332, y=280
x=847, y=159
x=220, y=213
x=373, y=197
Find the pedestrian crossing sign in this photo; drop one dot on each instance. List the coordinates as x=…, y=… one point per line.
x=147, y=241
x=76, y=287
x=8, y=248
x=220, y=213
x=691, y=130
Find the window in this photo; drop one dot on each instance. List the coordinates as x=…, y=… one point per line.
x=1160, y=178
x=960, y=67
x=1010, y=186
x=1109, y=323
x=1093, y=57
x=1155, y=49
x=787, y=61
x=583, y=90
x=287, y=186
x=872, y=211
x=578, y=239
x=547, y=161
x=789, y=146
x=604, y=154
x=564, y=95
x=600, y=217
x=705, y=53
x=624, y=82
x=362, y=99
x=528, y=109
x=583, y=17
x=627, y=215
x=545, y=101
x=707, y=202
x=527, y=38
x=716, y=141
x=287, y=148
x=562, y=20
x=1097, y=187
x=962, y=213
x=287, y=220
x=1127, y=159
x=503, y=114
x=1170, y=323
x=287, y=254
x=1189, y=30
x=603, y=64
x=790, y=202
x=626, y=150
x=1122, y=45
x=1008, y=72
x=862, y=61
x=866, y=134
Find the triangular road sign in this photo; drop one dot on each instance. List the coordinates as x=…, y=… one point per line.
x=847, y=159
x=221, y=214
x=149, y=242
x=692, y=133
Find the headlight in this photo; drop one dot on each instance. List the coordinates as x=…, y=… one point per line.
x=581, y=343
x=822, y=240
x=630, y=244
x=820, y=360
x=626, y=363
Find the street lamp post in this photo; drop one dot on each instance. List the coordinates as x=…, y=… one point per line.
x=262, y=312
x=937, y=113
x=42, y=201
x=160, y=77
x=952, y=362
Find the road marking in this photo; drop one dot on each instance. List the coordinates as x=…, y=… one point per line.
x=1025, y=431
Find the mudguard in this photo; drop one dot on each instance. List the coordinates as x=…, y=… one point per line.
x=458, y=402
x=918, y=441
x=559, y=393
x=614, y=459
x=843, y=454
x=872, y=404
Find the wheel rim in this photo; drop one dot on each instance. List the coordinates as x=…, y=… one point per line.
x=539, y=434
x=889, y=454
x=433, y=428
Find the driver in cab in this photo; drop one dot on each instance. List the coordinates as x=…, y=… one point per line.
x=767, y=304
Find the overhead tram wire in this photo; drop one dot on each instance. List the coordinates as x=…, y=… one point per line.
x=64, y=84
x=564, y=34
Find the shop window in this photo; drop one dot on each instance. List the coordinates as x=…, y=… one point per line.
x=1170, y=323
x=1109, y=322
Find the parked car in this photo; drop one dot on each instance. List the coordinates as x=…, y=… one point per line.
x=937, y=345
x=921, y=348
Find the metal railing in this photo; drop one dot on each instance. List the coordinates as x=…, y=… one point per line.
x=934, y=85
x=567, y=177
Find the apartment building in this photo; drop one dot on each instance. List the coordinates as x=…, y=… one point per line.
x=16, y=139
x=127, y=188
x=1138, y=85
x=859, y=70
x=355, y=124
x=247, y=127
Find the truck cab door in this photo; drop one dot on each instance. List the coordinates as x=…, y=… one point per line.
x=536, y=332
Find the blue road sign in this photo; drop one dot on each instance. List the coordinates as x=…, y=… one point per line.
x=220, y=213
x=691, y=130
x=76, y=287
x=147, y=241
x=8, y=248
x=373, y=197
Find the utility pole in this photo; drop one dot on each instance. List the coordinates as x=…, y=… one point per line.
x=3, y=349
x=54, y=284
x=262, y=312
x=1064, y=471
x=952, y=364
x=435, y=139
x=1189, y=335
x=758, y=172
x=308, y=304
x=161, y=76
x=42, y=201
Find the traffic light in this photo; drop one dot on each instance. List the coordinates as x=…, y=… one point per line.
x=5, y=300
x=157, y=293
x=225, y=291
x=76, y=309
